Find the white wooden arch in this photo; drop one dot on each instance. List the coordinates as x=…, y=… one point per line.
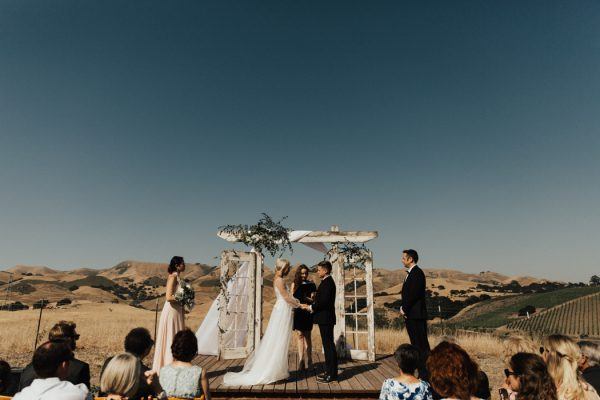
x=354, y=331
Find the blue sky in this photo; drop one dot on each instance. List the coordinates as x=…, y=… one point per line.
x=469, y=130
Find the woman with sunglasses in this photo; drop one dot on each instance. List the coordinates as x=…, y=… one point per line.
x=527, y=376
x=561, y=355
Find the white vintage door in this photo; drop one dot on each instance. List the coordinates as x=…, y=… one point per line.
x=237, y=304
x=355, y=326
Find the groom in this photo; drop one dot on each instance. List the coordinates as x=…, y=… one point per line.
x=323, y=309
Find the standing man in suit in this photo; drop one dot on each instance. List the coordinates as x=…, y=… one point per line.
x=323, y=309
x=413, y=306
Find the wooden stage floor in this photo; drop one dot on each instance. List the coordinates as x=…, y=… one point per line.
x=357, y=379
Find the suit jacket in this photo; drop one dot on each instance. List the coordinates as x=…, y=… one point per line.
x=79, y=372
x=413, y=295
x=324, y=305
x=592, y=376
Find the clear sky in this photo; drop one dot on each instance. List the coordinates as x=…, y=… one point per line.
x=468, y=130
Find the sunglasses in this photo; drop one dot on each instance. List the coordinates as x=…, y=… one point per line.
x=508, y=373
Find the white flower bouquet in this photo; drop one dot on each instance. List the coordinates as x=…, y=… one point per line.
x=185, y=295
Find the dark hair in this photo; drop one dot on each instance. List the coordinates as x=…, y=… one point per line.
x=138, y=341
x=412, y=254
x=185, y=345
x=452, y=372
x=326, y=265
x=483, y=386
x=4, y=374
x=175, y=261
x=49, y=356
x=536, y=382
x=297, y=277
x=408, y=358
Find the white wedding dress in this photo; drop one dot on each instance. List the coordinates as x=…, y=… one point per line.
x=269, y=361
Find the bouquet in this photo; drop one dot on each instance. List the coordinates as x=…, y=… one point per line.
x=185, y=295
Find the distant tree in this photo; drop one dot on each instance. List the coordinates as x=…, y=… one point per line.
x=63, y=302
x=40, y=304
x=381, y=320
x=595, y=280
x=525, y=310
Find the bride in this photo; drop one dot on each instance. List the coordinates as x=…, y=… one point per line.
x=269, y=361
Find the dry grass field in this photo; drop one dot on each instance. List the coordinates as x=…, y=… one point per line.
x=103, y=327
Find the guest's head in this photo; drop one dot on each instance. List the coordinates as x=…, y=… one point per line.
x=282, y=267
x=4, y=374
x=176, y=265
x=324, y=269
x=51, y=360
x=410, y=257
x=590, y=354
x=64, y=331
x=301, y=274
x=528, y=375
x=452, y=373
x=185, y=346
x=121, y=376
x=517, y=344
x=562, y=355
x=408, y=358
x=139, y=342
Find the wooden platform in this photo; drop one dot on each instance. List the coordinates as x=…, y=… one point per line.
x=357, y=379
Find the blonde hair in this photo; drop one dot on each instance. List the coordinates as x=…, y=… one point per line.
x=281, y=263
x=121, y=375
x=562, y=355
x=518, y=344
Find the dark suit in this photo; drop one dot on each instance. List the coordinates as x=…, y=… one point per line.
x=415, y=312
x=324, y=315
x=79, y=372
x=592, y=376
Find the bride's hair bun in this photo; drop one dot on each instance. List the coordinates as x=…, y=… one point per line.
x=281, y=263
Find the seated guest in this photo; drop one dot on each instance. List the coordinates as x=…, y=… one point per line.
x=138, y=342
x=527, y=376
x=122, y=377
x=79, y=371
x=589, y=365
x=181, y=378
x=483, y=382
x=452, y=373
x=562, y=355
x=511, y=346
x=482, y=390
x=51, y=365
x=406, y=386
x=8, y=386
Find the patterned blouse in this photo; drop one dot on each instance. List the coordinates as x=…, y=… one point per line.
x=394, y=390
x=181, y=381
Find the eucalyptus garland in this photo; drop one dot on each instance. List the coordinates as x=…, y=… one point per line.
x=266, y=235
x=354, y=255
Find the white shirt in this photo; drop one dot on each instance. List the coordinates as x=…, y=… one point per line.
x=53, y=389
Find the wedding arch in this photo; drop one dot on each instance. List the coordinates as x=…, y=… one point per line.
x=239, y=306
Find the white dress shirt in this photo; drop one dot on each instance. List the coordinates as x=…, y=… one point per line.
x=53, y=389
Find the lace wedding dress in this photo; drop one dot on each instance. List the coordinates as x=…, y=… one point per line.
x=269, y=361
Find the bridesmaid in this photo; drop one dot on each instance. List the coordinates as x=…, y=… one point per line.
x=171, y=317
x=304, y=290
